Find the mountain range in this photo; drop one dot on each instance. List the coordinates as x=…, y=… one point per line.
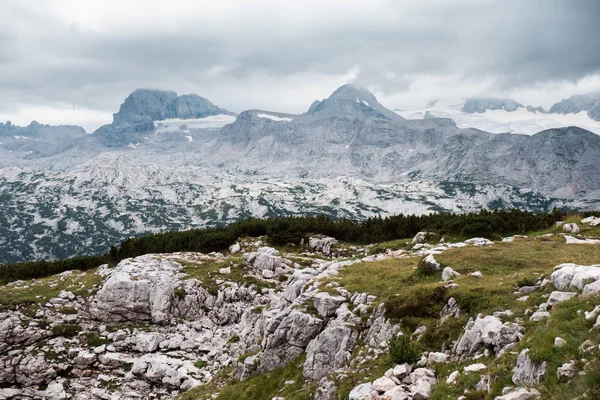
x=174, y=162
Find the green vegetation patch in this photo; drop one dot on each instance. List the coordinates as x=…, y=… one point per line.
x=39, y=291
x=261, y=387
x=207, y=272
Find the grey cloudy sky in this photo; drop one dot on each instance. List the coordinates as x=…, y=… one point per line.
x=74, y=61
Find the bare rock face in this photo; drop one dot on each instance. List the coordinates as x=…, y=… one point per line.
x=329, y=350
x=288, y=335
x=528, y=371
x=487, y=332
x=327, y=304
x=139, y=289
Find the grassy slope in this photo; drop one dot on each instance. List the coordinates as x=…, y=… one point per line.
x=415, y=300
x=503, y=265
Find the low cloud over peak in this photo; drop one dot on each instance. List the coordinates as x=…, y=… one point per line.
x=267, y=54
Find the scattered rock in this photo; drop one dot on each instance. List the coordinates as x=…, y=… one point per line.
x=429, y=265
x=225, y=271
x=560, y=342
x=571, y=228
x=449, y=274
x=322, y=244
x=519, y=394
x=527, y=371
x=235, y=248
x=361, y=392
x=479, y=242
x=587, y=346
x=539, y=315
x=422, y=237
x=452, y=378
x=383, y=384
x=475, y=368
x=557, y=297
x=487, y=332
x=450, y=309
x=327, y=304
x=438, y=357
x=566, y=371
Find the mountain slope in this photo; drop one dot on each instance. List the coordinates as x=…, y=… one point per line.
x=578, y=103
x=142, y=108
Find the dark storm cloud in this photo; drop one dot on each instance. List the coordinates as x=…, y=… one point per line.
x=56, y=51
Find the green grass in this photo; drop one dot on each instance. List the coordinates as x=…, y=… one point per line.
x=67, y=310
x=391, y=245
x=93, y=339
x=66, y=330
x=208, y=272
x=261, y=387
x=41, y=290
x=417, y=300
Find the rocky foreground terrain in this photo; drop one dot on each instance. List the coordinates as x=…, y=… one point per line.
x=421, y=318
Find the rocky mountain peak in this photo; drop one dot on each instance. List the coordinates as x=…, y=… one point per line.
x=145, y=104
x=356, y=93
x=585, y=102
x=143, y=107
x=352, y=100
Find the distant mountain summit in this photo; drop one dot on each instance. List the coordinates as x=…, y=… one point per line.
x=352, y=100
x=143, y=107
x=482, y=104
x=575, y=104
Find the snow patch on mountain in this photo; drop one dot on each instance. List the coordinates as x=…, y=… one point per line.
x=186, y=125
x=273, y=117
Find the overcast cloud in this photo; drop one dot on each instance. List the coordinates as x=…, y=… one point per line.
x=73, y=61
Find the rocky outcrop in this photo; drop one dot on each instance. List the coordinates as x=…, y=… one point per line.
x=528, y=371
x=519, y=394
x=571, y=228
x=482, y=104
x=449, y=274
x=288, y=334
x=322, y=244
x=429, y=265
x=268, y=262
x=398, y=383
x=487, y=332
x=573, y=276
x=329, y=350
x=141, y=289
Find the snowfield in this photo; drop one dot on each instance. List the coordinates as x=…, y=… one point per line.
x=186, y=125
x=274, y=117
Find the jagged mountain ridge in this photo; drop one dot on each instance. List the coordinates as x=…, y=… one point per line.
x=384, y=150
x=144, y=107
x=346, y=156
x=578, y=103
